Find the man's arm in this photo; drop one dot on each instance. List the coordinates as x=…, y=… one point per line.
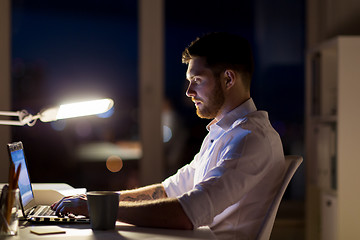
x=155, y=191
x=165, y=213
x=78, y=204
x=150, y=207
x=147, y=206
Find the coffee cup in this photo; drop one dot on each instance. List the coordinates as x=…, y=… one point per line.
x=103, y=207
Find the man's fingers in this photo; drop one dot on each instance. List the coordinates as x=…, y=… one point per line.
x=62, y=207
x=62, y=211
x=56, y=204
x=76, y=205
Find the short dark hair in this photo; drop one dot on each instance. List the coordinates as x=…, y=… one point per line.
x=223, y=51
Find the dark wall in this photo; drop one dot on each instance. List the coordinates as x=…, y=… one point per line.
x=72, y=49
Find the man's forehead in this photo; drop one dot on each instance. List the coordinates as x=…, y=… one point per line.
x=196, y=67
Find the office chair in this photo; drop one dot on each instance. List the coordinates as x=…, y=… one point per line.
x=292, y=162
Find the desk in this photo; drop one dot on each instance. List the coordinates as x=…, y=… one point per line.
x=122, y=232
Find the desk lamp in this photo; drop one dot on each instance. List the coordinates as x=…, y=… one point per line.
x=71, y=110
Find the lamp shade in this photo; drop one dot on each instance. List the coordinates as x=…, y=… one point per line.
x=78, y=109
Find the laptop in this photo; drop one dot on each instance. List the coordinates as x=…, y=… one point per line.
x=30, y=210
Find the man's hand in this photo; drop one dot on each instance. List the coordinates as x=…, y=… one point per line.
x=76, y=205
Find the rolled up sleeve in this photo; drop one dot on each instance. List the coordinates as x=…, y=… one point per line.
x=224, y=186
x=182, y=181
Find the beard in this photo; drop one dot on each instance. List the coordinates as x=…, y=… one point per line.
x=209, y=108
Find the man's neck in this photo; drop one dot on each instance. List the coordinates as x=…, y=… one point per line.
x=231, y=105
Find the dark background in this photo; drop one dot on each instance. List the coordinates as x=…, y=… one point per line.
x=75, y=49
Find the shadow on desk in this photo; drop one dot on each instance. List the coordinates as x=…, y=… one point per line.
x=122, y=231
x=201, y=233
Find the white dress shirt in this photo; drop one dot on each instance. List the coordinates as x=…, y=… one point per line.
x=231, y=182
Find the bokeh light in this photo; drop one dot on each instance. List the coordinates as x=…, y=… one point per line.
x=114, y=163
x=107, y=114
x=167, y=133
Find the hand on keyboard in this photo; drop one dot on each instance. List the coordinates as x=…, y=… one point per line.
x=71, y=206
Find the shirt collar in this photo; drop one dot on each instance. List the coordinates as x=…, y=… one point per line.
x=236, y=114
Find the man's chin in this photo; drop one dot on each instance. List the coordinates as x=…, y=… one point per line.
x=204, y=115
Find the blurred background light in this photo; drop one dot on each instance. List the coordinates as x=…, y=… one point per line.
x=167, y=134
x=114, y=163
x=107, y=114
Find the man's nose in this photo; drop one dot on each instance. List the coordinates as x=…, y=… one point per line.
x=190, y=91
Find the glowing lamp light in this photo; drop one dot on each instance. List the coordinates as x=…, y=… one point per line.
x=71, y=110
x=79, y=109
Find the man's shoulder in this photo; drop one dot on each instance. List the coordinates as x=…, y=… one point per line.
x=256, y=119
x=251, y=120
x=254, y=127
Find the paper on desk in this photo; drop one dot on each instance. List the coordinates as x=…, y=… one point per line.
x=49, y=196
x=47, y=230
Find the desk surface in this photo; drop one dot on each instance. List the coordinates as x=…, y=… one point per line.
x=122, y=231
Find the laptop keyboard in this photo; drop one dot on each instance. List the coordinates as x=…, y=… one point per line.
x=44, y=211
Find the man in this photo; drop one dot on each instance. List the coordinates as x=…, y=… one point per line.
x=231, y=182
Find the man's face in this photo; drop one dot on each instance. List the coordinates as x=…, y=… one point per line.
x=204, y=89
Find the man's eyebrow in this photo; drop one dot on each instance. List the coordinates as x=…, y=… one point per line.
x=191, y=77
x=194, y=74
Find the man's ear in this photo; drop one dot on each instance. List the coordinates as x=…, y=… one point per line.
x=229, y=76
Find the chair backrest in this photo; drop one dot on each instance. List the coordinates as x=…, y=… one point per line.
x=292, y=163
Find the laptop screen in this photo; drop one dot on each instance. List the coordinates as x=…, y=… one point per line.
x=26, y=193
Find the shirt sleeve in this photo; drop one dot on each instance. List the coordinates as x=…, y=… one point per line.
x=182, y=181
x=225, y=184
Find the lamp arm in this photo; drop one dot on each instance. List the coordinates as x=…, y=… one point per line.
x=7, y=113
x=24, y=118
x=27, y=118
